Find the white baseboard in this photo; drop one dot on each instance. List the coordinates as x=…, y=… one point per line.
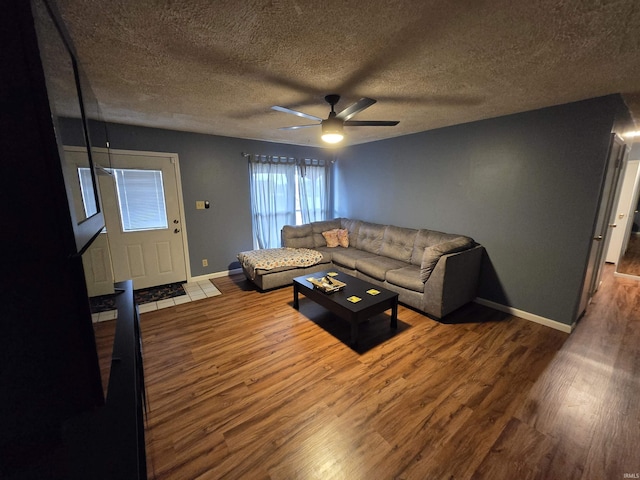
x=563, y=327
x=224, y=273
x=624, y=275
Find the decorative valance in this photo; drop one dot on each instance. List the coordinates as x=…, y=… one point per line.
x=280, y=160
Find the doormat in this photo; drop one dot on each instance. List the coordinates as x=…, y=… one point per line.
x=161, y=292
x=105, y=303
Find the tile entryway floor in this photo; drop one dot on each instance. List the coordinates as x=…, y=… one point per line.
x=194, y=291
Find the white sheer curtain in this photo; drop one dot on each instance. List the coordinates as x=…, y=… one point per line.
x=313, y=190
x=272, y=184
x=285, y=191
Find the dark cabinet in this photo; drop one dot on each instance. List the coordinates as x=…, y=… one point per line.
x=116, y=449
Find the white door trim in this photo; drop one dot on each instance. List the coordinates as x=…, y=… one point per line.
x=175, y=160
x=623, y=215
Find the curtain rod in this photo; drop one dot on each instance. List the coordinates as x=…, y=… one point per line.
x=304, y=160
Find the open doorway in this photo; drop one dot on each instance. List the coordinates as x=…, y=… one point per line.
x=627, y=255
x=608, y=195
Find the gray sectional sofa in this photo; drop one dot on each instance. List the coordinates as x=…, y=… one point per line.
x=433, y=272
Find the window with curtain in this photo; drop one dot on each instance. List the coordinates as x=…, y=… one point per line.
x=285, y=191
x=313, y=188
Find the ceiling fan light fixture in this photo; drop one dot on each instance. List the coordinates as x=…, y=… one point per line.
x=332, y=130
x=333, y=126
x=332, y=137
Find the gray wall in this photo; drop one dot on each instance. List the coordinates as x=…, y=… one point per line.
x=212, y=168
x=525, y=186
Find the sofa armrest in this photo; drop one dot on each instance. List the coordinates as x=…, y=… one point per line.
x=453, y=283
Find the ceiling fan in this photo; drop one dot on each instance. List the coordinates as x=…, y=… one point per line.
x=332, y=127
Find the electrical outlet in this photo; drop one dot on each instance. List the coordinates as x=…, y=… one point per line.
x=205, y=262
x=199, y=204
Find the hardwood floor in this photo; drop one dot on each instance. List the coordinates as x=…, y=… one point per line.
x=244, y=386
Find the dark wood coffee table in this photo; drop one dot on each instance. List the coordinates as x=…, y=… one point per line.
x=337, y=302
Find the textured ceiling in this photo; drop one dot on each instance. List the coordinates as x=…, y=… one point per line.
x=218, y=66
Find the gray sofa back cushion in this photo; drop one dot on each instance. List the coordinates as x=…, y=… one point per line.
x=370, y=237
x=428, y=238
x=297, y=236
x=323, y=226
x=397, y=243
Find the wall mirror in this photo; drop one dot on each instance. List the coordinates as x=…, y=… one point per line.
x=69, y=97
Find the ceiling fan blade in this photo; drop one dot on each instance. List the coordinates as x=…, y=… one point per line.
x=371, y=123
x=295, y=112
x=296, y=127
x=356, y=107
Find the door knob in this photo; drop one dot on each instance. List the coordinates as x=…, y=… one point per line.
x=176, y=221
x=177, y=230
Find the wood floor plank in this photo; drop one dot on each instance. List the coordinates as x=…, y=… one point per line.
x=530, y=461
x=414, y=444
x=244, y=386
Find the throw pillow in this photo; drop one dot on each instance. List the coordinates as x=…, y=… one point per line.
x=432, y=254
x=331, y=237
x=343, y=237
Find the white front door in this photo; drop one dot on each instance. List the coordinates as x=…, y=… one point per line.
x=141, y=200
x=98, y=271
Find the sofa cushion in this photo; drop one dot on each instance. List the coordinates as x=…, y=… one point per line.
x=428, y=238
x=353, y=227
x=272, y=258
x=377, y=267
x=432, y=254
x=370, y=237
x=323, y=226
x=347, y=257
x=300, y=236
x=406, y=277
x=327, y=254
x=331, y=237
x=343, y=237
x=398, y=243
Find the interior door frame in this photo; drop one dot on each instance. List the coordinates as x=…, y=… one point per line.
x=175, y=161
x=608, y=198
x=621, y=216
x=632, y=208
